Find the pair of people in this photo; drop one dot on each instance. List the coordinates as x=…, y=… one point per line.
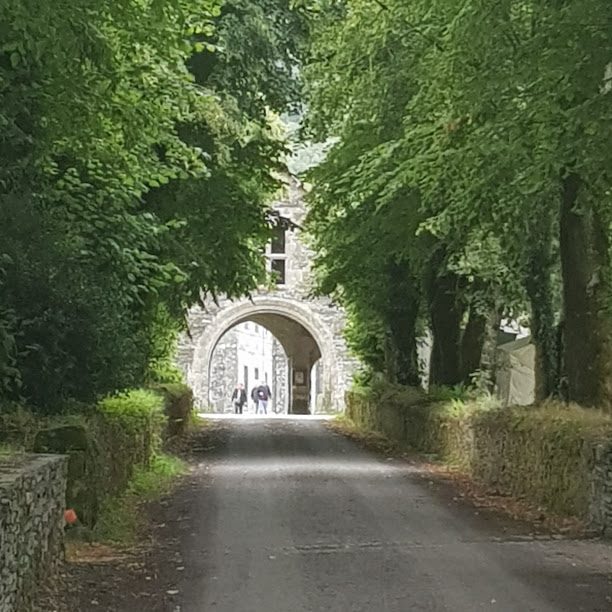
x=260, y=395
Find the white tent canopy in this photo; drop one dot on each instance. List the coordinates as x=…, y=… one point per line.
x=515, y=378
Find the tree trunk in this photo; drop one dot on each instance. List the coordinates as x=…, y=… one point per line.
x=402, y=319
x=446, y=313
x=488, y=360
x=587, y=322
x=472, y=343
x=540, y=289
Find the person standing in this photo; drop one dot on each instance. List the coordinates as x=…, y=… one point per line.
x=239, y=398
x=254, y=398
x=263, y=396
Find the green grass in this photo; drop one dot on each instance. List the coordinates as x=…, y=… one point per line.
x=121, y=519
x=9, y=451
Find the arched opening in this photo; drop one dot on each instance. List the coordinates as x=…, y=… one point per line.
x=248, y=354
x=306, y=334
x=267, y=348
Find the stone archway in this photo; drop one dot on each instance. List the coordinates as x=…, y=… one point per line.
x=307, y=326
x=305, y=336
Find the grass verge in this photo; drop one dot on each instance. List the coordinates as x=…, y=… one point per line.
x=121, y=519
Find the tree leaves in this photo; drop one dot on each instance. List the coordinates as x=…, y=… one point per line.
x=134, y=179
x=464, y=116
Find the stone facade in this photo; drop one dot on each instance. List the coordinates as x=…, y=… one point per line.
x=223, y=373
x=32, y=503
x=310, y=330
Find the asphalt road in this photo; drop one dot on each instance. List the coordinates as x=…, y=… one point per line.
x=286, y=516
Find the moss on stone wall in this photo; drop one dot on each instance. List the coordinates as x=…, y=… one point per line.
x=546, y=454
x=104, y=444
x=178, y=408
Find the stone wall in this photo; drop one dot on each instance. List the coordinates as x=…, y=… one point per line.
x=600, y=509
x=32, y=503
x=554, y=456
x=280, y=389
x=223, y=376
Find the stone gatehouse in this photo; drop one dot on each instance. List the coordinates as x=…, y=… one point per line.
x=312, y=366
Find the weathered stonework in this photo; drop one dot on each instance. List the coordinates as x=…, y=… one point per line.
x=600, y=510
x=280, y=379
x=32, y=500
x=309, y=329
x=223, y=373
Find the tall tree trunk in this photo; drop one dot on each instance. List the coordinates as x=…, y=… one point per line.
x=588, y=325
x=402, y=319
x=446, y=314
x=472, y=342
x=488, y=360
x=541, y=292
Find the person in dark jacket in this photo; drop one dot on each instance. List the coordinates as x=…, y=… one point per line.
x=263, y=396
x=239, y=398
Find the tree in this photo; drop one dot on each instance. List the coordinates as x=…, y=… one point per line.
x=135, y=181
x=496, y=114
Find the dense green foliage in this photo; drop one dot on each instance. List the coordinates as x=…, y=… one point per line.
x=470, y=178
x=138, y=143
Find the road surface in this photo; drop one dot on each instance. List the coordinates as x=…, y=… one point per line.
x=287, y=516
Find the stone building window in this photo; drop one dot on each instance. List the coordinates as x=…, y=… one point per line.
x=279, y=270
x=278, y=245
x=278, y=255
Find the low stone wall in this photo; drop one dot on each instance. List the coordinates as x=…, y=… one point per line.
x=32, y=498
x=104, y=448
x=600, y=509
x=555, y=456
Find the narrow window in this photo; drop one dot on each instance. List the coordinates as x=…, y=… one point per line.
x=256, y=373
x=278, y=245
x=278, y=268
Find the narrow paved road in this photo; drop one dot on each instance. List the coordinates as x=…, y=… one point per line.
x=287, y=516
